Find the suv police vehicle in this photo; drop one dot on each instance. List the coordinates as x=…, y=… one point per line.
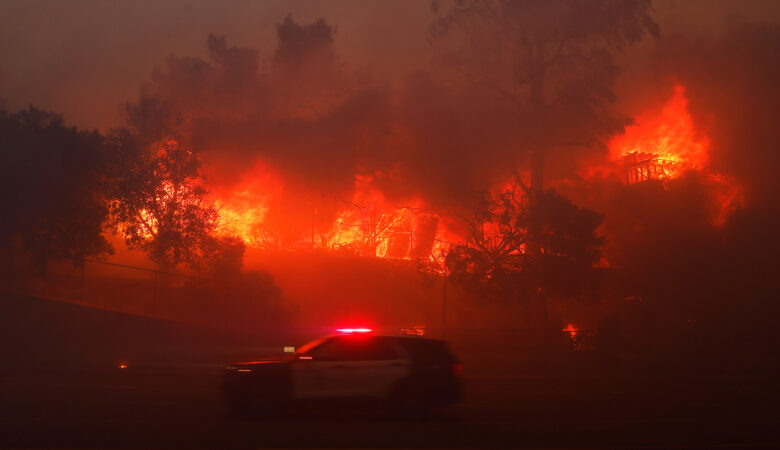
x=405, y=371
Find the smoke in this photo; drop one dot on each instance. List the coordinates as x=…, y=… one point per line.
x=317, y=123
x=300, y=125
x=687, y=270
x=734, y=94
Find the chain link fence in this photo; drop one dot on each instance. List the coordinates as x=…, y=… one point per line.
x=144, y=291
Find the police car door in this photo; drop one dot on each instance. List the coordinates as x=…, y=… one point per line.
x=381, y=366
x=324, y=371
x=348, y=366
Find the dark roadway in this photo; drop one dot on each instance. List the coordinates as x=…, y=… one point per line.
x=167, y=407
x=60, y=387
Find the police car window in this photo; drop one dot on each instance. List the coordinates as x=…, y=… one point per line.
x=332, y=349
x=322, y=351
x=379, y=350
x=354, y=348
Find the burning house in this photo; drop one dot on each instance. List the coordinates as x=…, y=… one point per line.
x=646, y=166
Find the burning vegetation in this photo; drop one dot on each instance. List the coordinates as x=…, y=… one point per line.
x=505, y=175
x=365, y=225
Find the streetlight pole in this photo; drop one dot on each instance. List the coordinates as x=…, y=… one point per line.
x=444, y=307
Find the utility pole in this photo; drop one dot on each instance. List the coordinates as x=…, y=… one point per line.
x=444, y=307
x=313, y=214
x=155, y=288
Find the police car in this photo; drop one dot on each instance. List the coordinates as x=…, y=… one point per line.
x=355, y=364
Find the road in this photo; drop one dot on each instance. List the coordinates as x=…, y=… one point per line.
x=60, y=387
x=180, y=407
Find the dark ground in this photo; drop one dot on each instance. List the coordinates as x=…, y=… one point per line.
x=55, y=395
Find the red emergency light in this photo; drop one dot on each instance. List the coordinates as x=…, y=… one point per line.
x=354, y=330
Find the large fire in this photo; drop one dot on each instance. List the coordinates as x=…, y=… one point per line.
x=243, y=210
x=365, y=225
x=663, y=145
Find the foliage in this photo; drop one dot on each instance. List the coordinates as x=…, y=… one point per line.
x=494, y=263
x=52, y=187
x=159, y=202
x=223, y=257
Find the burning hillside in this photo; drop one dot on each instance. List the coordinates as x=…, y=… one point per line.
x=661, y=145
x=536, y=155
x=367, y=224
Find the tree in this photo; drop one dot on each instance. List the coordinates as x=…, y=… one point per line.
x=552, y=60
x=223, y=257
x=52, y=187
x=493, y=262
x=159, y=202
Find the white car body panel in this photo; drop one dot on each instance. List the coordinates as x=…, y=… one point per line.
x=372, y=378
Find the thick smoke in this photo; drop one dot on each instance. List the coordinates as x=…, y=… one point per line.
x=319, y=123
x=688, y=274
x=734, y=93
x=305, y=123
x=730, y=79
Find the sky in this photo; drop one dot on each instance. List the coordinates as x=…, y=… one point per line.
x=57, y=55
x=86, y=58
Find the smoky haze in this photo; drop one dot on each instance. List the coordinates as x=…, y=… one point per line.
x=366, y=97
x=87, y=58
x=581, y=203
x=308, y=96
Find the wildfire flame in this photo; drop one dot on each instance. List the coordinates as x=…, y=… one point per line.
x=667, y=138
x=366, y=225
x=663, y=145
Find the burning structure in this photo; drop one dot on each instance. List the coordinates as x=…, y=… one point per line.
x=662, y=145
x=305, y=154
x=647, y=166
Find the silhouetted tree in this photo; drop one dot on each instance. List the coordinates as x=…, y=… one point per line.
x=52, y=187
x=223, y=257
x=493, y=264
x=159, y=201
x=553, y=60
